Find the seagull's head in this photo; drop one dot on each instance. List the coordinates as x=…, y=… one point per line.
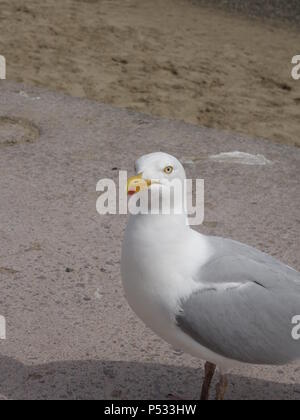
x=157, y=172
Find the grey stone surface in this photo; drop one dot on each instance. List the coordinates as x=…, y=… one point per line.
x=285, y=10
x=70, y=333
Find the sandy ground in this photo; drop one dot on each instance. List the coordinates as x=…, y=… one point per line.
x=70, y=331
x=171, y=58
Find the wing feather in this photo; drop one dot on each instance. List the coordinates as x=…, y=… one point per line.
x=243, y=309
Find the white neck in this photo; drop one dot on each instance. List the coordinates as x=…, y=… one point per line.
x=160, y=225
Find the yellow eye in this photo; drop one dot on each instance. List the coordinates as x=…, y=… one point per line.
x=168, y=170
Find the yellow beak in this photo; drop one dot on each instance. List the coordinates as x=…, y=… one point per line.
x=137, y=183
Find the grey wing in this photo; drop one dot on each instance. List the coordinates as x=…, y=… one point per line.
x=243, y=310
x=229, y=248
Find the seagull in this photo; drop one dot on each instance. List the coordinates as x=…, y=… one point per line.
x=216, y=299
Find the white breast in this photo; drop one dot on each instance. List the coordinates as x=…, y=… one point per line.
x=159, y=260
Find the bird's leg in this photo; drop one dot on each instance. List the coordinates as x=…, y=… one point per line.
x=222, y=388
x=209, y=374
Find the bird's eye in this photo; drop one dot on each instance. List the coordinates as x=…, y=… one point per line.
x=168, y=170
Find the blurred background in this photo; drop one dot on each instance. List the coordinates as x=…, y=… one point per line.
x=221, y=64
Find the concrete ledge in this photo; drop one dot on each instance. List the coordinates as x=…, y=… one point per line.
x=70, y=333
